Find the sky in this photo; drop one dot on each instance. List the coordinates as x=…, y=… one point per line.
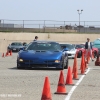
x=60, y=10
x=50, y=10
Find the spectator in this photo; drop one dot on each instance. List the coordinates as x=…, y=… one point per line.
x=88, y=48
x=36, y=38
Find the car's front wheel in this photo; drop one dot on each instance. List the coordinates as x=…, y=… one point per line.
x=19, y=67
x=79, y=54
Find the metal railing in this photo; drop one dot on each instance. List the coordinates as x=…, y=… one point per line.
x=51, y=26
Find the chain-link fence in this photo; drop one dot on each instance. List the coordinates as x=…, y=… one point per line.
x=49, y=26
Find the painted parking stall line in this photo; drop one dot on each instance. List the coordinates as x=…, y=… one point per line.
x=74, y=87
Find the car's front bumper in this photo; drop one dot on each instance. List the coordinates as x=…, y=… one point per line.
x=38, y=64
x=14, y=49
x=71, y=54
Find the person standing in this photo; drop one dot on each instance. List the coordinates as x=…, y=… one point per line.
x=36, y=38
x=88, y=48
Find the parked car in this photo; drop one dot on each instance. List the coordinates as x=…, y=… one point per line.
x=42, y=54
x=71, y=51
x=96, y=44
x=80, y=49
x=15, y=46
x=94, y=50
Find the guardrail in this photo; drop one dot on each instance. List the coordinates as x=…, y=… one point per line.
x=49, y=26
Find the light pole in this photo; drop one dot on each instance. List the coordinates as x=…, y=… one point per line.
x=79, y=12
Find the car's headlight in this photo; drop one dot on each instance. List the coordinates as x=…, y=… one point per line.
x=57, y=61
x=21, y=60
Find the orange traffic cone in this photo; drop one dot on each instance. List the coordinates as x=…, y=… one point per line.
x=75, y=70
x=46, y=94
x=74, y=64
x=75, y=74
x=3, y=55
x=61, y=85
x=82, y=59
x=6, y=53
x=11, y=53
x=82, y=64
x=86, y=65
x=88, y=57
x=69, y=80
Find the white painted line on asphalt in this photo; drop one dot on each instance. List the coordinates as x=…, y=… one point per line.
x=74, y=87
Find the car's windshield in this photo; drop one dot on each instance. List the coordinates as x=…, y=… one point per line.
x=79, y=46
x=69, y=46
x=44, y=46
x=16, y=44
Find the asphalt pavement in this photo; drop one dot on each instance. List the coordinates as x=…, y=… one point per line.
x=28, y=84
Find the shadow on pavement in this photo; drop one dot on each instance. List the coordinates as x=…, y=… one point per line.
x=39, y=69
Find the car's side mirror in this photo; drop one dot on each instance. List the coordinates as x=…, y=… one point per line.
x=65, y=49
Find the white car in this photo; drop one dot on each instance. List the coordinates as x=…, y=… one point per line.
x=71, y=51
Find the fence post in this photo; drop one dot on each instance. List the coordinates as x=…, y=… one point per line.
x=3, y=25
x=54, y=28
x=23, y=25
x=44, y=26
x=64, y=27
x=0, y=23
x=39, y=28
x=84, y=26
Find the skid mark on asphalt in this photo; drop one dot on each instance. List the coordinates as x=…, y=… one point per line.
x=74, y=87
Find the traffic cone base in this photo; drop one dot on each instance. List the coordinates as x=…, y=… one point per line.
x=83, y=74
x=75, y=79
x=61, y=93
x=70, y=84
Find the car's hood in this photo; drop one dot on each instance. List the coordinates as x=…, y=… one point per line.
x=95, y=48
x=71, y=51
x=30, y=54
x=80, y=49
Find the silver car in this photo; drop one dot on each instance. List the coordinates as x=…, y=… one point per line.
x=70, y=49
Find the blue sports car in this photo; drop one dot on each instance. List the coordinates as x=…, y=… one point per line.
x=42, y=54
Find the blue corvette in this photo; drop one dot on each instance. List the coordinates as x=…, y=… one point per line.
x=42, y=54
